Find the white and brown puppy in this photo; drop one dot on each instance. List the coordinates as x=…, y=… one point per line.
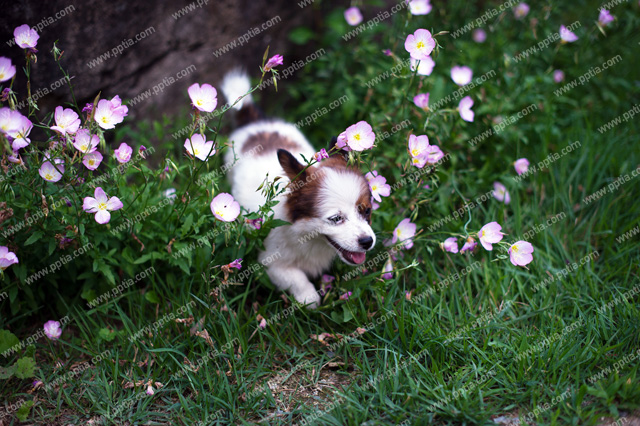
x=328, y=204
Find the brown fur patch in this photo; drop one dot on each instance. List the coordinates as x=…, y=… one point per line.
x=302, y=201
x=268, y=143
x=364, y=202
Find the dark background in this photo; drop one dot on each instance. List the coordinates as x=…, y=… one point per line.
x=96, y=27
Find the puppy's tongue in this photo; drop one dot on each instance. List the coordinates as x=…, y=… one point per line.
x=355, y=257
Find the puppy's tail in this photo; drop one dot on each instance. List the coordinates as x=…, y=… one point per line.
x=235, y=84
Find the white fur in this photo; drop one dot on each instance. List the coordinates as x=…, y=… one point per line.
x=296, y=252
x=235, y=84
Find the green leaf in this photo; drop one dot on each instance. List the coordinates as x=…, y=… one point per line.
x=7, y=373
x=188, y=221
x=152, y=297
x=106, y=271
x=301, y=35
x=25, y=368
x=346, y=314
x=7, y=340
x=106, y=334
x=34, y=237
x=23, y=411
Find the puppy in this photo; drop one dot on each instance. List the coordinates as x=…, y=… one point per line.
x=328, y=204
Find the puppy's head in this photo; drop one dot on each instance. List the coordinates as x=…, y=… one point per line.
x=332, y=201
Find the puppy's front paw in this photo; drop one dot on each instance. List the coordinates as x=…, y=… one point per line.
x=308, y=297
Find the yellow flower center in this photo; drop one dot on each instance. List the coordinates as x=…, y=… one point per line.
x=84, y=147
x=196, y=151
x=2, y=76
x=199, y=102
x=420, y=45
x=357, y=136
x=483, y=233
x=415, y=152
x=219, y=213
x=102, y=206
x=374, y=188
x=91, y=162
x=104, y=119
x=48, y=176
x=514, y=248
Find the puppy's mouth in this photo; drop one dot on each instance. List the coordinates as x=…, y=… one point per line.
x=351, y=257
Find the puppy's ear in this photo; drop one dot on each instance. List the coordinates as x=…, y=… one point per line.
x=336, y=152
x=290, y=165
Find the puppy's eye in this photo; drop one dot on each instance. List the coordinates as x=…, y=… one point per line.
x=335, y=219
x=367, y=212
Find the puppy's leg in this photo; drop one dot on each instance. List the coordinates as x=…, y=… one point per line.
x=295, y=282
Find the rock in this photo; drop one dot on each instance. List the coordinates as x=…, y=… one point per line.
x=153, y=50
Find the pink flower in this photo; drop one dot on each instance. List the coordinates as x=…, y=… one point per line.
x=101, y=205
x=7, y=258
x=500, y=193
x=464, y=108
x=7, y=70
x=341, y=141
x=123, y=153
x=204, y=98
x=273, y=62
x=450, y=245
x=378, y=185
x=199, y=147
x=26, y=38
x=558, y=76
x=490, y=234
x=15, y=158
x=479, y=35
x=118, y=108
x=420, y=44
x=328, y=278
x=434, y=154
x=521, y=165
x=418, y=146
x=421, y=100
x=321, y=155
x=520, y=253
x=150, y=390
x=107, y=114
x=469, y=245
x=404, y=232
x=263, y=323
x=49, y=173
x=85, y=142
x=92, y=160
x=388, y=270
x=256, y=223
x=353, y=16
x=425, y=66
x=604, y=19
x=360, y=136
x=52, y=330
x=225, y=208
x=521, y=10
x=346, y=296
x=17, y=126
x=461, y=75
x=67, y=121
x=567, y=35
x=236, y=264
x=419, y=7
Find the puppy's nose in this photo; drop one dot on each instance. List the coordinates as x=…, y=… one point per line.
x=365, y=242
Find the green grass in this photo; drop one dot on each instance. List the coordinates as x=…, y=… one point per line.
x=479, y=348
